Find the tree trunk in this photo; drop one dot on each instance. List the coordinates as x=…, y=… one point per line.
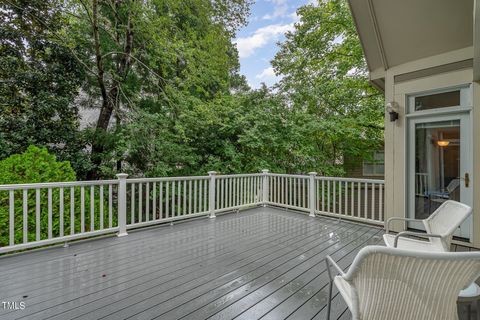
x=106, y=110
x=110, y=98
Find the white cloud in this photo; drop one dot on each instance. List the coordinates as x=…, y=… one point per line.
x=246, y=46
x=266, y=73
x=294, y=16
x=280, y=9
x=268, y=77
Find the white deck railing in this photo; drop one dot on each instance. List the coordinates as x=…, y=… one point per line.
x=38, y=214
x=354, y=199
x=421, y=184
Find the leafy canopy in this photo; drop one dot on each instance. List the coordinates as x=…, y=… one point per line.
x=324, y=75
x=161, y=81
x=39, y=80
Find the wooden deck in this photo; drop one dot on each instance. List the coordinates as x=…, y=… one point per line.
x=261, y=263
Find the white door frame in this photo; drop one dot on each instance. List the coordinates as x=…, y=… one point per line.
x=466, y=161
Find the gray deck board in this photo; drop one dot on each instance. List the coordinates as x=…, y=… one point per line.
x=261, y=263
x=234, y=289
x=169, y=236
x=56, y=253
x=151, y=254
x=262, y=288
x=183, y=261
x=143, y=296
x=300, y=298
x=140, y=290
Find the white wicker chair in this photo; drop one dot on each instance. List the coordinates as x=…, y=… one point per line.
x=388, y=283
x=440, y=226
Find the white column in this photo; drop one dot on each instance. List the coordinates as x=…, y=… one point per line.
x=266, y=192
x=211, y=193
x=312, y=194
x=122, y=204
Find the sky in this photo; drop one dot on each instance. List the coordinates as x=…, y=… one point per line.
x=256, y=42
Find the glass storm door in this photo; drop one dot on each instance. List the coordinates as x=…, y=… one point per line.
x=439, y=165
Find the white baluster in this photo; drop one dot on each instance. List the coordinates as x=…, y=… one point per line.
x=50, y=213
x=25, y=216
x=312, y=194
x=61, y=212
x=122, y=204
x=211, y=199
x=11, y=218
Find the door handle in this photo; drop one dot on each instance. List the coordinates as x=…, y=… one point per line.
x=467, y=180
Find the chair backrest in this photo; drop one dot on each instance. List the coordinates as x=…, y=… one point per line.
x=454, y=184
x=445, y=220
x=390, y=283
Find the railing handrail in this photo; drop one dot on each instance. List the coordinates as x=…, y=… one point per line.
x=66, y=184
x=378, y=181
x=289, y=175
x=183, y=178
x=45, y=185
x=239, y=175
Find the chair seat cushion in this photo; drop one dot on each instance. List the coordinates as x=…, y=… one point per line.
x=411, y=244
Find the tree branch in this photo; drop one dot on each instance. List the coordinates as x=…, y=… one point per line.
x=98, y=55
x=139, y=61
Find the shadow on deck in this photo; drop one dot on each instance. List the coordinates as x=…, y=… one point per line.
x=261, y=263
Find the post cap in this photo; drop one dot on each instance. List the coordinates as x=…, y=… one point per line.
x=313, y=173
x=265, y=171
x=122, y=175
x=212, y=173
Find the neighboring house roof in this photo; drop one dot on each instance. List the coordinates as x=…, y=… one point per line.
x=394, y=32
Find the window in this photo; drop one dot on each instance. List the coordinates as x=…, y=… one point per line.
x=439, y=100
x=376, y=166
x=434, y=101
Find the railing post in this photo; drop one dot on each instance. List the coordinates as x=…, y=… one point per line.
x=312, y=194
x=211, y=193
x=265, y=190
x=122, y=204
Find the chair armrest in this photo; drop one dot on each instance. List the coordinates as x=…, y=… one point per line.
x=387, y=223
x=417, y=234
x=330, y=262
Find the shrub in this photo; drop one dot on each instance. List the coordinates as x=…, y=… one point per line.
x=37, y=165
x=34, y=165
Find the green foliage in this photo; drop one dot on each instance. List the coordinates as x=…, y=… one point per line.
x=242, y=133
x=37, y=165
x=167, y=73
x=40, y=79
x=34, y=165
x=325, y=76
x=151, y=53
x=323, y=111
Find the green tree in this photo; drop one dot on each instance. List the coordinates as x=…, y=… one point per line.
x=40, y=79
x=325, y=77
x=156, y=54
x=164, y=78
